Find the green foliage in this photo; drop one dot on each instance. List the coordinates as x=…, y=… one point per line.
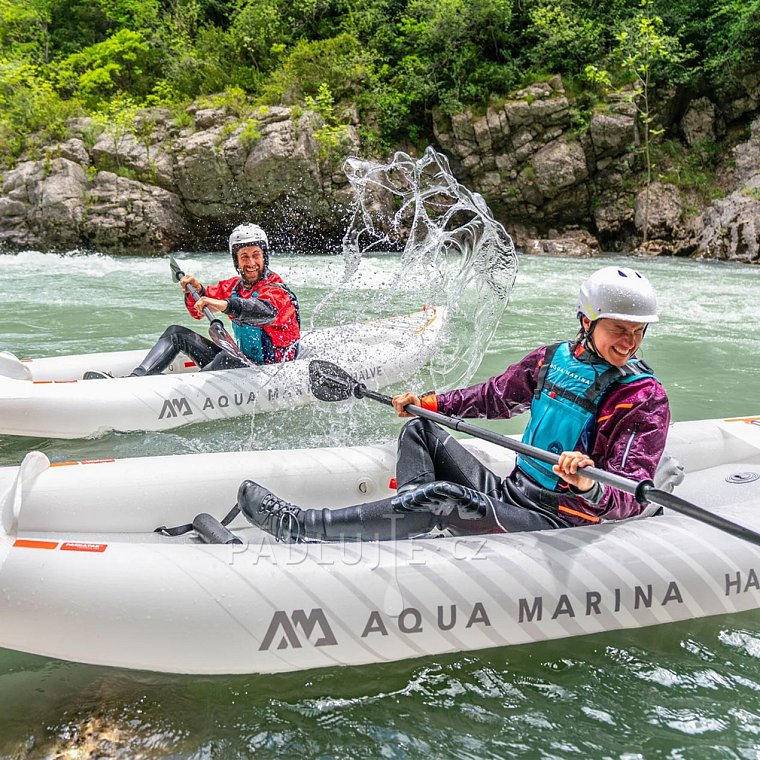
x=598, y=78
x=394, y=60
x=233, y=100
x=339, y=62
x=117, y=118
x=203, y=64
x=564, y=38
x=323, y=103
x=332, y=140
x=250, y=133
x=24, y=30
x=736, y=40
x=182, y=118
x=257, y=27
x=31, y=112
x=460, y=46
x=693, y=170
x=116, y=65
x=332, y=137
x=642, y=44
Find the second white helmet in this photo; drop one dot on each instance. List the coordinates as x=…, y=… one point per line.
x=618, y=293
x=248, y=234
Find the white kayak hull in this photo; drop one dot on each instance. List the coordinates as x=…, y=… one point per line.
x=48, y=398
x=84, y=578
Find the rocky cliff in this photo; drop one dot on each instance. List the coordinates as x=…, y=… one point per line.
x=175, y=188
x=561, y=184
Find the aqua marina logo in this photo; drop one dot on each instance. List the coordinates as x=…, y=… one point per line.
x=286, y=627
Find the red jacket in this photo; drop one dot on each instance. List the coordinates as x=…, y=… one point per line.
x=284, y=331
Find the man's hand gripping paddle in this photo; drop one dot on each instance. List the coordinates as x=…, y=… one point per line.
x=216, y=330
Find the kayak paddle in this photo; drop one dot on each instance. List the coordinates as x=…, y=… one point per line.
x=329, y=382
x=216, y=330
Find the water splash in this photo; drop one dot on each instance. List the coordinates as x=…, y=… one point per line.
x=448, y=251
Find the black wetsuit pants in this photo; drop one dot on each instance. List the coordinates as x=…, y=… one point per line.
x=177, y=339
x=427, y=453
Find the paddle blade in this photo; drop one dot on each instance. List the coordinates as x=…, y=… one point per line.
x=329, y=382
x=177, y=273
x=224, y=340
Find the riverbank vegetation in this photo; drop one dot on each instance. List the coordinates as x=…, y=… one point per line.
x=387, y=61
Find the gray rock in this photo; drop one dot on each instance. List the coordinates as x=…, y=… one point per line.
x=698, y=123
x=557, y=166
x=662, y=214
x=208, y=118
x=747, y=155
x=532, y=163
x=43, y=204
x=148, y=162
x=730, y=228
x=126, y=215
x=574, y=243
x=73, y=149
x=611, y=133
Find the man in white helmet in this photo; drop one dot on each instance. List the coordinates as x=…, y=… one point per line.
x=591, y=402
x=263, y=310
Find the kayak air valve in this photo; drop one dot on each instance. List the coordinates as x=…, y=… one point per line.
x=743, y=477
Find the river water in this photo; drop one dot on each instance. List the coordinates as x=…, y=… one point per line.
x=688, y=690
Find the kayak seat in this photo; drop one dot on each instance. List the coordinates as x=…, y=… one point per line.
x=669, y=474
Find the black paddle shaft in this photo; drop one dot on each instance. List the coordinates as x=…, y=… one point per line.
x=178, y=275
x=456, y=423
x=644, y=491
x=216, y=329
x=331, y=383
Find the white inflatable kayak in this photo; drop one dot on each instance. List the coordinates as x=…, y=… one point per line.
x=48, y=398
x=84, y=578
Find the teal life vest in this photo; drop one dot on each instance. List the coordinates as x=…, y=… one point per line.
x=565, y=401
x=253, y=340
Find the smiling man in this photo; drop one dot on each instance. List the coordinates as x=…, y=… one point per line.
x=591, y=402
x=263, y=310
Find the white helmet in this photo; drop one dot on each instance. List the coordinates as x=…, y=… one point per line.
x=618, y=293
x=248, y=234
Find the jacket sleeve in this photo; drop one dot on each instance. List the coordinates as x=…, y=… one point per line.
x=500, y=397
x=212, y=291
x=632, y=428
x=190, y=306
x=253, y=311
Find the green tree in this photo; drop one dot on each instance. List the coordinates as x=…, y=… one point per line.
x=642, y=44
x=24, y=30
x=563, y=38
x=341, y=63
x=30, y=109
x=458, y=42
x=119, y=64
x=735, y=44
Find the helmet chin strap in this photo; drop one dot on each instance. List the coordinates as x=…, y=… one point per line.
x=587, y=338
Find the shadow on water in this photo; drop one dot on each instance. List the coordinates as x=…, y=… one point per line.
x=595, y=696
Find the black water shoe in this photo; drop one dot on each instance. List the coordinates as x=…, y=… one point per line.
x=272, y=514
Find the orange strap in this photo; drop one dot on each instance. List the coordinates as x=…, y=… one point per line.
x=576, y=513
x=429, y=402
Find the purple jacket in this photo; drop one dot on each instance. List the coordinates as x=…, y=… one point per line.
x=632, y=425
